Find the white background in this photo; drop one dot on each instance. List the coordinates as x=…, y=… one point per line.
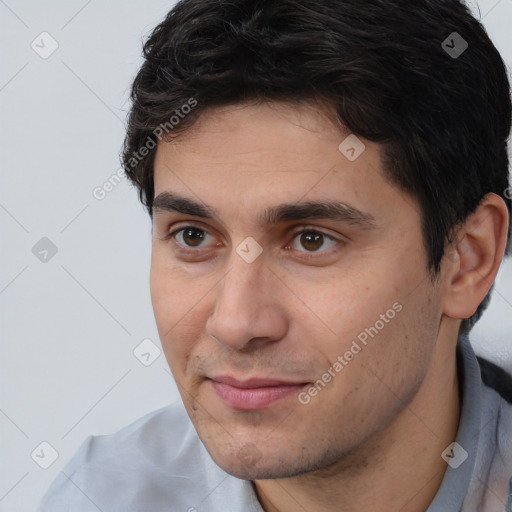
x=69, y=326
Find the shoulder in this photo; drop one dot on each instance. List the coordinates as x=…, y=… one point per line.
x=157, y=463
x=497, y=404
x=495, y=444
x=165, y=431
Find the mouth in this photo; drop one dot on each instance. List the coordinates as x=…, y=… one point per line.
x=255, y=393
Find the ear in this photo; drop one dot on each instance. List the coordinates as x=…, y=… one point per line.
x=473, y=260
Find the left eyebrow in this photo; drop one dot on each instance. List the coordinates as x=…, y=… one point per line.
x=328, y=210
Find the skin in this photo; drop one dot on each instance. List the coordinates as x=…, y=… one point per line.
x=372, y=438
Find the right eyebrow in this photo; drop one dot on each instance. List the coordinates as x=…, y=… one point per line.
x=170, y=202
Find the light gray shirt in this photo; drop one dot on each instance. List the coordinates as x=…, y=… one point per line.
x=158, y=464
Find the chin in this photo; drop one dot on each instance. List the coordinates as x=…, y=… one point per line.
x=259, y=472
x=248, y=463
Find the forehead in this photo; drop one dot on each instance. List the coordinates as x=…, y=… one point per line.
x=283, y=124
x=252, y=156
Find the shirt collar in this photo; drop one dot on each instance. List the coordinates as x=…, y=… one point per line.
x=454, y=486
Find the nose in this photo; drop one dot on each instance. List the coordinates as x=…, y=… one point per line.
x=247, y=312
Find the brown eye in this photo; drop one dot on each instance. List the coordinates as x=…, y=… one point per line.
x=192, y=237
x=311, y=240
x=189, y=236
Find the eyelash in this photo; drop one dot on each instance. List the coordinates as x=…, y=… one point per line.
x=305, y=255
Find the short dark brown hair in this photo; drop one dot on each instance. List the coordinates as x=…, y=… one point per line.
x=384, y=66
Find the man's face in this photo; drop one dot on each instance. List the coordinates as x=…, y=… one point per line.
x=247, y=334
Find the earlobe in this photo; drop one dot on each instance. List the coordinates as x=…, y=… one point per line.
x=472, y=262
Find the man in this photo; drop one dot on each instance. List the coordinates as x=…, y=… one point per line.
x=328, y=184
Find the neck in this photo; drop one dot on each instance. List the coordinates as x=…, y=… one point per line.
x=399, y=468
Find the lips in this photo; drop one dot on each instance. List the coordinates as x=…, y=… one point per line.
x=255, y=393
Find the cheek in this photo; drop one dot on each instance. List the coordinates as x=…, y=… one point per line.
x=379, y=365
x=172, y=292
x=398, y=354
x=376, y=315
x=180, y=306
x=170, y=303
x=164, y=298
x=351, y=303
